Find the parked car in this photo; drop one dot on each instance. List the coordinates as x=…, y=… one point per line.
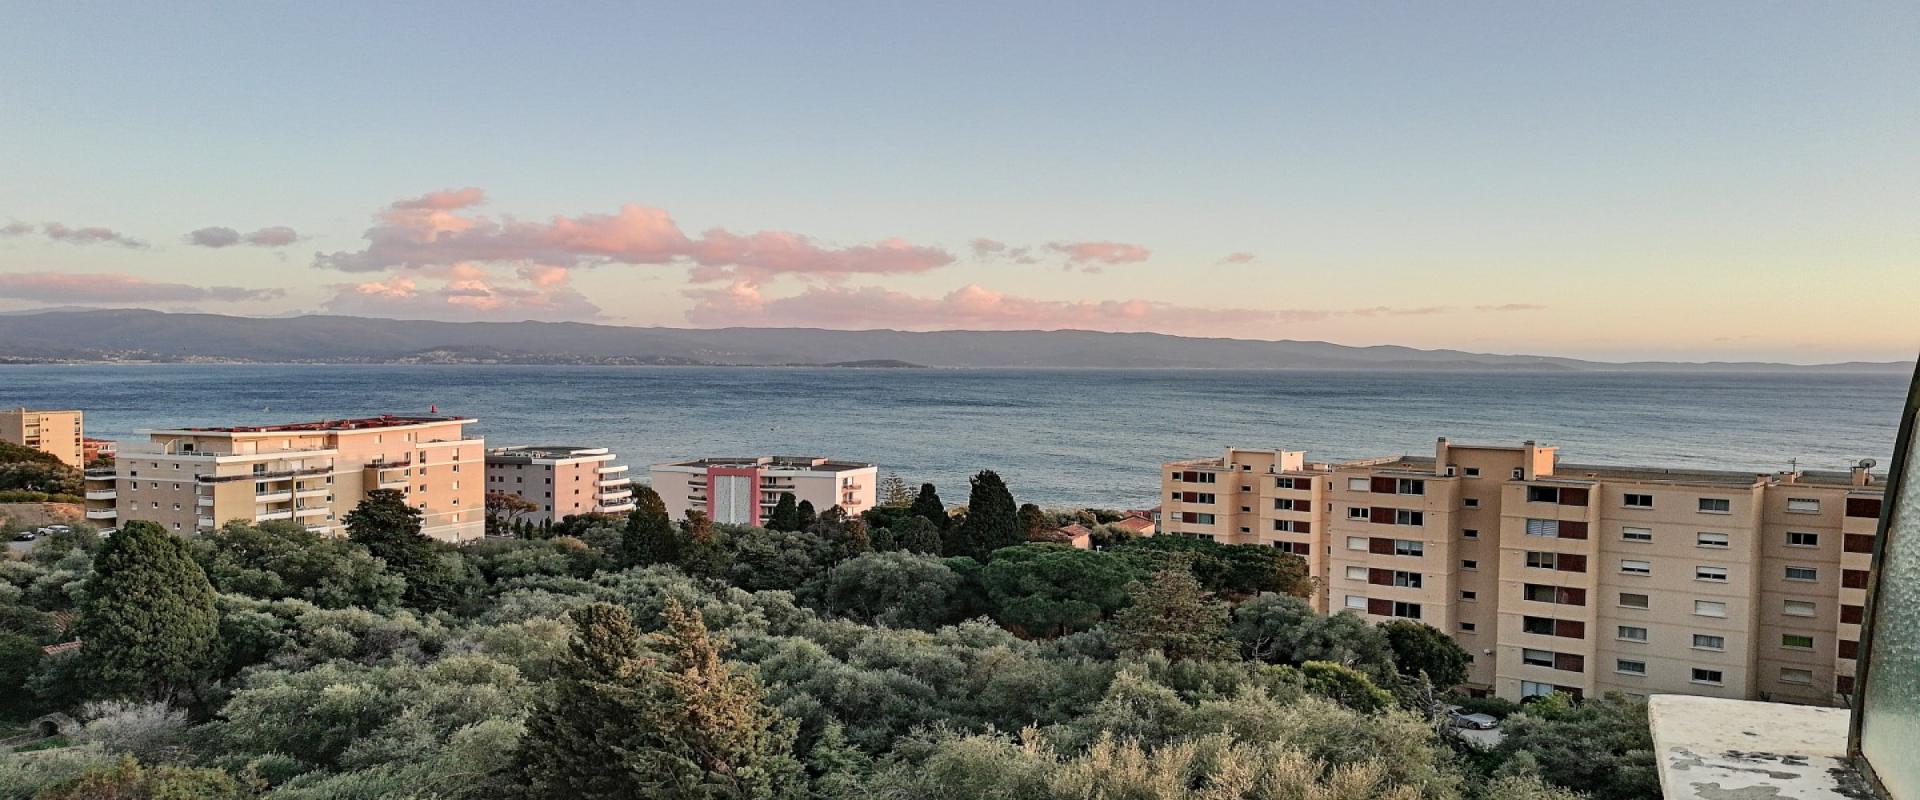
x=1472, y=722
x=25, y=536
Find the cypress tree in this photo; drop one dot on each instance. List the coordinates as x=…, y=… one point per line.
x=1172, y=614
x=714, y=734
x=1034, y=524
x=701, y=552
x=805, y=515
x=786, y=515
x=149, y=625
x=649, y=536
x=390, y=530
x=577, y=729
x=992, y=520
x=927, y=506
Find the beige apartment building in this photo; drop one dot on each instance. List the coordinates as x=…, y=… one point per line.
x=1584, y=579
x=743, y=491
x=561, y=481
x=313, y=473
x=57, y=432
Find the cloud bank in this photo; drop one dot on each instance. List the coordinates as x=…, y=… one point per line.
x=59, y=232
x=63, y=287
x=276, y=236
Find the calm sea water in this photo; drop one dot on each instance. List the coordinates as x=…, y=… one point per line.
x=1058, y=437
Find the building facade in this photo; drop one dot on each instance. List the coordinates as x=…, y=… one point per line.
x=59, y=433
x=561, y=481
x=743, y=491
x=312, y=473
x=1584, y=579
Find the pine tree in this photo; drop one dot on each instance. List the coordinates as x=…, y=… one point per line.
x=716, y=737
x=1171, y=614
x=992, y=520
x=1034, y=525
x=390, y=530
x=576, y=730
x=649, y=535
x=805, y=515
x=917, y=535
x=149, y=625
x=700, y=550
x=894, y=492
x=786, y=514
x=927, y=506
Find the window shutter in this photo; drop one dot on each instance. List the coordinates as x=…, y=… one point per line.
x=1382, y=608
x=1570, y=628
x=1380, y=577
x=1302, y=527
x=1380, y=515
x=1379, y=546
x=1863, y=507
x=1571, y=662
x=1573, y=530
x=1570, y=596
x=1850, y=614
x=1573, y=497
x=1853, y=578
x=1570, y=562
x=1382, y=485
x=1849, y=649
x=1858, y=543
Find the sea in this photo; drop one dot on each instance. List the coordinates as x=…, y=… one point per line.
x=1067, y=438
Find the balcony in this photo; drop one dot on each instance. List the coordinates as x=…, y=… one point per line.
x=610, y=482
x=617, y=468
x=610, y=497
x=267, y=516
x=313, y=511
x=319, y=491
x=621, y=508
x=102, y=513
x=277, y=496
x=203, y=501
x=203, y=522
x=100, y=474
x=102, y=494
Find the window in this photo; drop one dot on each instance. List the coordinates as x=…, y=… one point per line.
x=1717, y=540
x=1710, y=608
x=1473, y=472
x=1632, y=567
x=1358, y=485
x=1408, y=547
x=1356, y=573
x=1630, y=666
x=1356, y=543
x=1632, y=600
x=1185, y=516
x=1543, y=494
x=1468, y=627
x=1406, y=579
x=1716, y=574
x=1359, y=512
x=1803, y=505
x=1559, y=595
x=1715, y=505
x=1539, y=560
x=1411, y=486
x=1802, y=677
x=1356, y=601
x=1633, y=534
x=1536, y=658
x=1796, y=641
x=1536, y=689
x=1469, y=533
x=1469, y=595
x=1407, y=610
x=1471, y=502
x=1539, y=626
x=1543, y=527
x=1631, y=633
x=1802, y=574
x=1637, y=501
x=1283, y=505
x=1799, y=608
x=1469, y=564
x=1708, y=676
x=1797, y=539
x=1403, y=516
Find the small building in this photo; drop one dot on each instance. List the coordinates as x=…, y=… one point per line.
x=743, y=491
x=561, y=481
x=1076, y=534
x=92, y=449
x=1135, y=525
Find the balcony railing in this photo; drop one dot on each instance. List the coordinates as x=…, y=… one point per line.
x=101, y=513
x=100, y=474
x=102, y=494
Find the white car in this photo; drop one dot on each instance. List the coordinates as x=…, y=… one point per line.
x=1474, y=722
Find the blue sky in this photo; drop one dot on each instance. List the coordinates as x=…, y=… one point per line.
x=1618, y=181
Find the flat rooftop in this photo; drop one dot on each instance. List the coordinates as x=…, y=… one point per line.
x=355, y=424
x=814, y=463
x=532, y=451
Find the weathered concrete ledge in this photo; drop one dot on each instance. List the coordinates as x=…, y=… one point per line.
x=1715, y=749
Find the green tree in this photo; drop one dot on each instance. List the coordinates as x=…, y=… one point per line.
x=149, y=622
x=1347, y=686
x=506, y=508
x=992, y=520
x=1420, y=648
x=917, y=535
x=276, y=560
x=786, y=514
x=437, y=577
x=712, y=733
x=1034, y=525
x=897, y=590
x=1048, y=590
x=701, y=552
x=1172, y=615
x=577, y=732
x=927, y=506
x=1602, y=746
x=649, y=535
x=894, y=492
x=130, y=780
x=805, y=515
x=1281, y=629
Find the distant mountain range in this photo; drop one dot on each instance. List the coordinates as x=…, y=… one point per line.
x=127, y=335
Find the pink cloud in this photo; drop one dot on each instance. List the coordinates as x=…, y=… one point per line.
x=66, y=287
x=970, y=307
x=1085, y=254
x=1512, y=307
x=277, y=236
x=465, y=293
x=435, y=230
x=1241, y=257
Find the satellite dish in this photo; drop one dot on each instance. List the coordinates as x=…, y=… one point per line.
x=1868, y=463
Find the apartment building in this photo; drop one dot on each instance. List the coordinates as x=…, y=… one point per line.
x=743, y=491
x=561, y=481
x=1584, y=579
x=57, y=432
x=313, y=473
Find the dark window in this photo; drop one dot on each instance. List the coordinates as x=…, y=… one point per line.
x=1543, y=494
x=1380, y=577
x=1407, y=610
x=1573, y=530
x=1850, y=614
x=1853, y=578
x=1411, y=486
x=1382, y=516
x=1570, y=628
x=1570, y=662
x=1863, y=507
x=1382, y=485
x=1573, y=497
x=1638, y=501
x=1857, y=543
x=1542, y=626
x=1378, y=607
x=1849, y=649
x=1380, y=546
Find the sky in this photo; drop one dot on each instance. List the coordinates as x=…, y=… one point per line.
x=1697, y=181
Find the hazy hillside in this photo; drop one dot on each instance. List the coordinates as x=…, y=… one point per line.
x=128, y=334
